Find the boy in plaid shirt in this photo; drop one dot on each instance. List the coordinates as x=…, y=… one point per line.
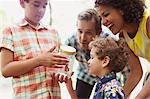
x=28, y=51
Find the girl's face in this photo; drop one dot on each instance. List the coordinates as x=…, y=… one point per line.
x=95, y=64
x=111, y=18
x=34, y=9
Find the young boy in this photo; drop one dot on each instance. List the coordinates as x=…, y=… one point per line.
x=107, y=58
x=28, y=51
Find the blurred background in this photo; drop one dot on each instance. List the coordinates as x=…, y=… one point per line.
x=60, y=14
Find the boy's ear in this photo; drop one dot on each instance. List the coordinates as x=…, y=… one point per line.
x=22, y=3
x=106, y=61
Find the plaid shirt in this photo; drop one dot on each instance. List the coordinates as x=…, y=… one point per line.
x=27, y=42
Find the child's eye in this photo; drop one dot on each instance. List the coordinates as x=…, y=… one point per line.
x=36, y=5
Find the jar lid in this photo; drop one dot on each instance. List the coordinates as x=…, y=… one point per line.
x=68, y=50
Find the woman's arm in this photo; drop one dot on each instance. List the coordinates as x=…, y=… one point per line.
x=145, y=92
x=148, y=27
x=135, y=73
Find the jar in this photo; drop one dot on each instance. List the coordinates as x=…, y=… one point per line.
x=69, y=52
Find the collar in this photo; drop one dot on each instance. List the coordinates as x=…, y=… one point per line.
x=23, y=23
x=107, y=78
x=104, y=79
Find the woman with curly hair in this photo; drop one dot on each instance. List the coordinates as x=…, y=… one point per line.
x=131, y=20
x=107, y=58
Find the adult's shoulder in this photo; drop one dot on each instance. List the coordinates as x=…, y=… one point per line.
x=71, y=40
x=73, y=36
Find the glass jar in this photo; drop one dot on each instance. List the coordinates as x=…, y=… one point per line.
x=69, y=52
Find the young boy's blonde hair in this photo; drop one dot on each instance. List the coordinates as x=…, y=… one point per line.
x=117, y=51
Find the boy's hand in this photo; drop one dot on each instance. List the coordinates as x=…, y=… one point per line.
x=60, y=78
x=52, y=58
x=67, y=71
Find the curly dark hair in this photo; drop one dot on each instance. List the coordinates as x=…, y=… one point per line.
x=117, y=51
x=90, y=14
x=133, y=9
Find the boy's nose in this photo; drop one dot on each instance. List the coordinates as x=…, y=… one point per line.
x=41, y=10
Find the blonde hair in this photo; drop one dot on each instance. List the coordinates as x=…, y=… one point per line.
x=117, y=51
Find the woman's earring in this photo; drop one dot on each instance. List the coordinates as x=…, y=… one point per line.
x=122, y=13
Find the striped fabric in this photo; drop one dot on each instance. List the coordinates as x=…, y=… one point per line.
x=27, y=42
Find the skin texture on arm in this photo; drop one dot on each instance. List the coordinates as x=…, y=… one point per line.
x=145, y=92
x=70, y=89
x=148, y=27
x=133, y=79
x=14, y=68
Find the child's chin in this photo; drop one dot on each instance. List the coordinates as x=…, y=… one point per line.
x=92, y=74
